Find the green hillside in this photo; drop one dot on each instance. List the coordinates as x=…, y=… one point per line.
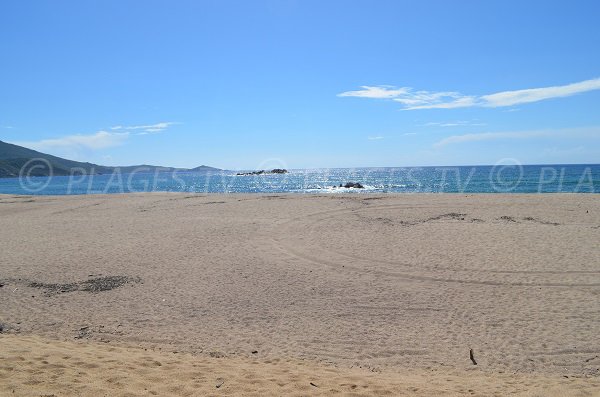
x=14, y=157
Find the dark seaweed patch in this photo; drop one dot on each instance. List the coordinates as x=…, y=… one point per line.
x=98, y=284
x=532, y=219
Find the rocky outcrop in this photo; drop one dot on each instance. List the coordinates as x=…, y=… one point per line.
x=354, y=185
x=263, y=172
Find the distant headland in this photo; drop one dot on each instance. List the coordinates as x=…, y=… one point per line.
x=14, y=159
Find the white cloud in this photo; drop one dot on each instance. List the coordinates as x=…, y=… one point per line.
x=80, y=146
x=99, y=140
x=73, y=144
x=409, y=133
x=405, y=95
x=510, y=98
x=382, y=91
x=413, y=100
x=442, y=100
x=147, y=129
x=484, y=136
x=593, y=132
x=554, y=151
x=458, y=102
x=375, y=138
x=460, y=123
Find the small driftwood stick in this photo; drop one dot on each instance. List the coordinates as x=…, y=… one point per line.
x=472, y=357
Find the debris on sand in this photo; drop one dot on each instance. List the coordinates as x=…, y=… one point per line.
x=83, y=333
x=8, y=328
x=105, y=283
x=99, y=284
x=472, y=357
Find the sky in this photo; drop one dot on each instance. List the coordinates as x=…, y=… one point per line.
x=302, y=84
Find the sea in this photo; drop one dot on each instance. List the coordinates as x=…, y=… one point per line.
x=500, y=178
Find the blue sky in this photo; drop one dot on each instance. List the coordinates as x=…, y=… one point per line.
x=302, y=84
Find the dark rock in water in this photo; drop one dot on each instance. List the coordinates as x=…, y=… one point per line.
x=261, y=172
x=250, y=173
x=355, y=185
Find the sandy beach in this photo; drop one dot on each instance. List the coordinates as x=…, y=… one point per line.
x=184, y=294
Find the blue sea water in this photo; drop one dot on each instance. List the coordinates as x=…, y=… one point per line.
x=505, y=178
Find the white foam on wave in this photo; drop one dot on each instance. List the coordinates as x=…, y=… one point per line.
x=338, y=189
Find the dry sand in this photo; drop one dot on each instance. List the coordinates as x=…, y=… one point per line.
x=357, y=294
x=38, y=367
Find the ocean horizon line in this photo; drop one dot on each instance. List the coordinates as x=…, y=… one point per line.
x=499, y=178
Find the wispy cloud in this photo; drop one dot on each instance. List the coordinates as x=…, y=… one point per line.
x=593, y=132
x=486, y=136
x=510, y=98
x=453, y=124
x=407, y=96
x=146, y=129
x=413, y=100
x=381, y=92
x=409, y=133
x=96, y=141
x=375, y=138
x=73, y=145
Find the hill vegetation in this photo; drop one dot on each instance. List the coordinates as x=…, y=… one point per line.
x=13, y=158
